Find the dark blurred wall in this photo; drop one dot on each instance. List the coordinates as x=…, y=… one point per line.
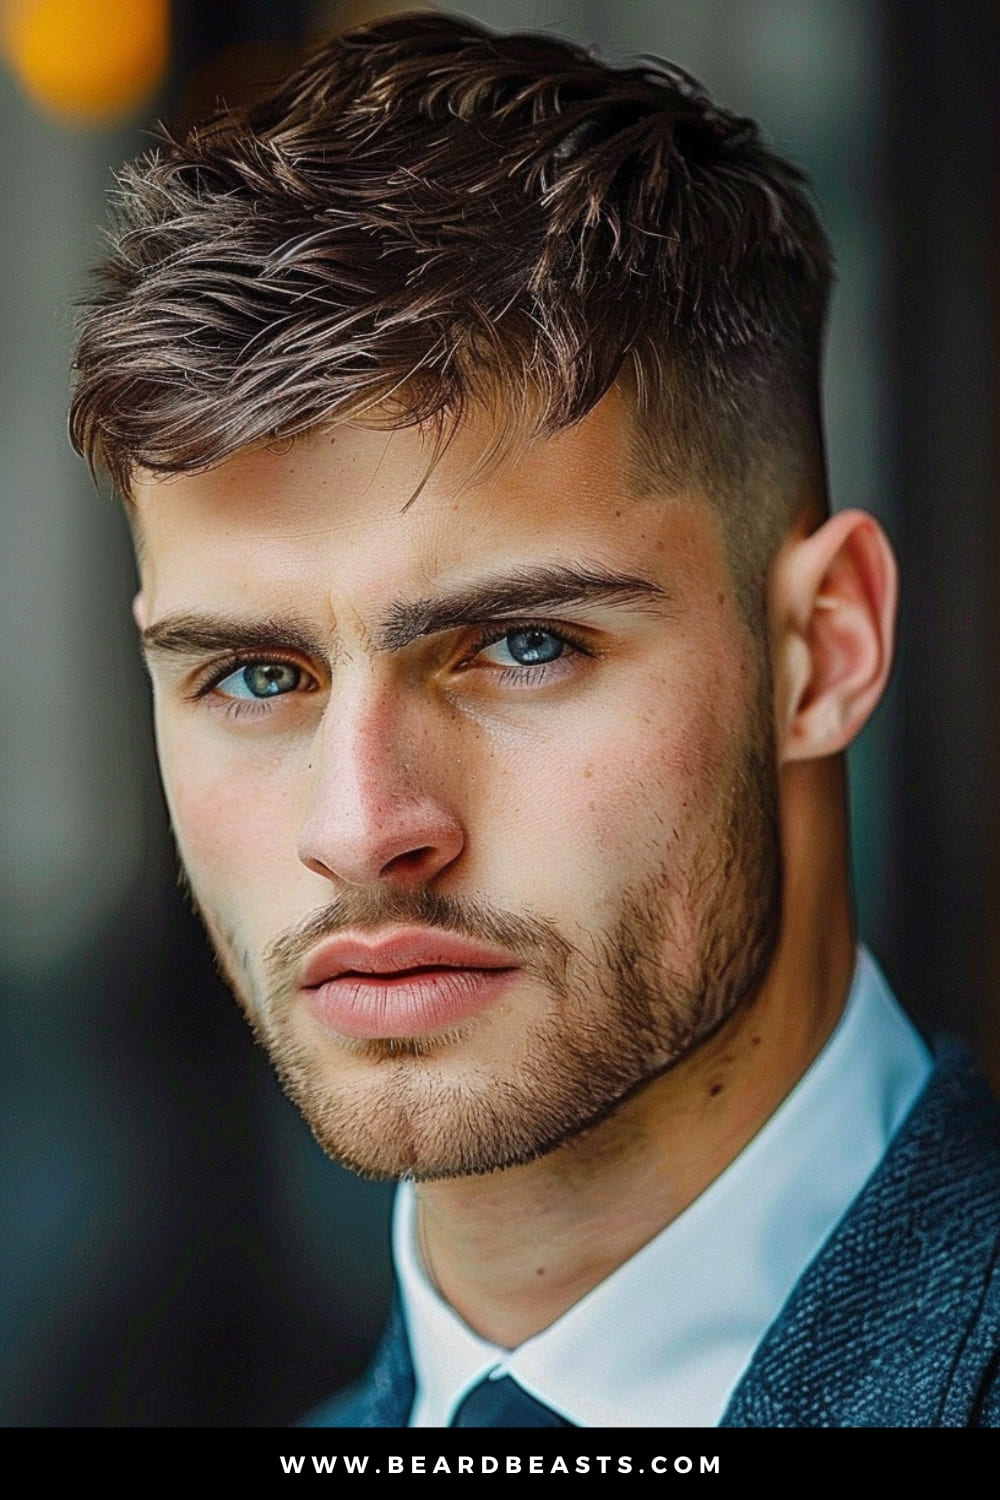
x=940, y=140
x=181, y=1252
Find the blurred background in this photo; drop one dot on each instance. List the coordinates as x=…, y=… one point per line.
x=178, y=1252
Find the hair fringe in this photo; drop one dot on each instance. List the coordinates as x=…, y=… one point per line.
x=427, y=219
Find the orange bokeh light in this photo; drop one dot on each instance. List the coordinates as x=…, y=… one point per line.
x=87, y=60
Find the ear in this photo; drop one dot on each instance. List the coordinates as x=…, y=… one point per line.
x=139, y=612
x=833, y=599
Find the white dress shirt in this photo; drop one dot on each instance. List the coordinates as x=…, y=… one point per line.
x=663, y=1341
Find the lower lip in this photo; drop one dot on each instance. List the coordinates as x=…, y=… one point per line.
x=418, y=1003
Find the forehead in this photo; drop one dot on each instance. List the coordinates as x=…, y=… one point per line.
x=365, y=513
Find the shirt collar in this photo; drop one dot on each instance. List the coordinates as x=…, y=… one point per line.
x=665, y=1338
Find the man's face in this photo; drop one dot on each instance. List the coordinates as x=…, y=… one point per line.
x=474, y=786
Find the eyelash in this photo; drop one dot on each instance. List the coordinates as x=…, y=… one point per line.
x=239, y=707
x=487, y=636
x=524, y=676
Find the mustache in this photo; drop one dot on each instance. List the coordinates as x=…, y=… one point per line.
x=535, y=941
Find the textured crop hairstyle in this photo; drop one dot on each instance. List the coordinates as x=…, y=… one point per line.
x=428, y=219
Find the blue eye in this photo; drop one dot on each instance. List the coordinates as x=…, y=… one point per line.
x=526, y=648
x=261, y=679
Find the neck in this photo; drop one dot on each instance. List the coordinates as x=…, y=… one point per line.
x=513, y=1250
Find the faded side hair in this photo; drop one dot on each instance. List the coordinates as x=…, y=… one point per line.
x=427, y=217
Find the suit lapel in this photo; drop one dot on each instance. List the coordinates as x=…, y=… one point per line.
x=390, y=1386
x=384, y=1395
x=893, y=1324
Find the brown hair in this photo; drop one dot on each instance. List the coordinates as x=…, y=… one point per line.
x=427, y=217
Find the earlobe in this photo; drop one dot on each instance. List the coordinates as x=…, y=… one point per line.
x=833, y=597
x=139, y=612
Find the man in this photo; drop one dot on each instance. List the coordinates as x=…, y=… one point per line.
x=464, y=398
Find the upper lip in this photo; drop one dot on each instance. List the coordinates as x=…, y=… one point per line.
x=397, y=951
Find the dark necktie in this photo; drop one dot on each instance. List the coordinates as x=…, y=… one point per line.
x=502, y=1403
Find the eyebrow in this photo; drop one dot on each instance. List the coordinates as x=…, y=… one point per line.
x=204, y=634
x=525, y=590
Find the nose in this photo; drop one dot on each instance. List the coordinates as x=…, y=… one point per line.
x=382, y=805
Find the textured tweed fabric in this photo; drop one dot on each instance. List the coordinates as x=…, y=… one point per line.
x=896, y=1323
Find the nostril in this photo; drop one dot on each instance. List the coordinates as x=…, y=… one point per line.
x=409, y=863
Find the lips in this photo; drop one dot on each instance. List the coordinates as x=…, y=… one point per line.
x=408, y=982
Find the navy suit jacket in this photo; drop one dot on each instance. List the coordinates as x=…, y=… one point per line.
x=896, y=1322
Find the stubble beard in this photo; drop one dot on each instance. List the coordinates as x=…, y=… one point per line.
x=615, y=1014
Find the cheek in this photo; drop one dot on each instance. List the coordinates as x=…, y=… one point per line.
x=212, y=827
x=226, y=818
x=617, y=801
x=671, y=761
x=663, y=803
